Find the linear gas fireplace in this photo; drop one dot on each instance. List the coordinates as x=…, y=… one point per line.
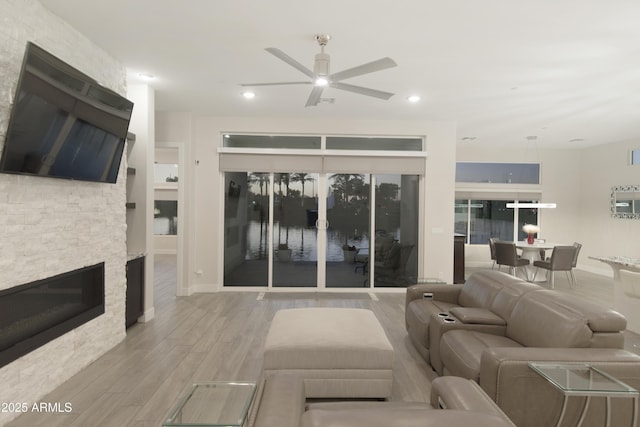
x=35, y=313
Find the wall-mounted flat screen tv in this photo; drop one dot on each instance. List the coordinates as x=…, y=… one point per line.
x=63, y=123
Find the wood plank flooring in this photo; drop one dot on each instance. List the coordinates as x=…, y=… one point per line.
x=220, y=336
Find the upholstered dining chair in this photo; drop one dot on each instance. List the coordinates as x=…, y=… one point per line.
x=578, y=246
x=506, y=254
x=561, y=260
x=492, y=249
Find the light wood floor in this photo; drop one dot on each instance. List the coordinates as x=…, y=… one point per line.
x=220, y=336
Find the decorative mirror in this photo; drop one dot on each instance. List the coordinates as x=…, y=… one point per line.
x=625, y=201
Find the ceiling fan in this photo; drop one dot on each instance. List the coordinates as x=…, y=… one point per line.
x=320, y=77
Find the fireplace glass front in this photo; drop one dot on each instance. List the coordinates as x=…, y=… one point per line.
x=35, y=313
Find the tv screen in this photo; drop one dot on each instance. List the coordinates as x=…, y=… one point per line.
x=63, y=123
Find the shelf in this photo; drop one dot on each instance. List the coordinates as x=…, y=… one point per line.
x=130, y=205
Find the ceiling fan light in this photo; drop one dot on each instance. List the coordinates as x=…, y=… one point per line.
x=321, y=81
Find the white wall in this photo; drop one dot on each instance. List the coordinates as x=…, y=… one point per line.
x=603, y=167
x=50, y=226
x=139, y=220
x=203, y=203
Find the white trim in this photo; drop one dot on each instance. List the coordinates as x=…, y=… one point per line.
x=147, y=315
x=270, y=252
x=181, y=286
x=321, y=152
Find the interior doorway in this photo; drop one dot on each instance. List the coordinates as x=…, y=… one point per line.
x=168, y=216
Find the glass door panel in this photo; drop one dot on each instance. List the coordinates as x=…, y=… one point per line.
x=347, y=244
x=246, y=224
x=395, y=252
x=295, y=211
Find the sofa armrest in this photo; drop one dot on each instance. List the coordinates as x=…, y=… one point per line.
x=460, y=393
x=279, y=402
x=439, y=292
x=476, y=315
x=529, y=400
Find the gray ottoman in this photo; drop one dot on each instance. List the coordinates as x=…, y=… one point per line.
x=339, y=352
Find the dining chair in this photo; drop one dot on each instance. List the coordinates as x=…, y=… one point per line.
x=506, y=254
x=543, y=253
x=578, y=246
x=561, y=260
x=492, y=249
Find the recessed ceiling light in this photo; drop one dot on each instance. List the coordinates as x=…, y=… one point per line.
x=576, y=140
x=468, y=138
x=413, y=98
x=248, y=94
x=146, y=76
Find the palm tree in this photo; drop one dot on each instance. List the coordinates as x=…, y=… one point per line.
x=260, y=178
x=302, y=178
x=343, y=183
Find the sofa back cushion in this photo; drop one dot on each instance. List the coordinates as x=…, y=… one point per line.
x=599, y=317
x=538, y=320
x=481, y=288
x=506, y=299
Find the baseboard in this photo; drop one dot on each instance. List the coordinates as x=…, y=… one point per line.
x=147, y=315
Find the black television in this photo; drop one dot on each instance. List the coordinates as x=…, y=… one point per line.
x=63, y=123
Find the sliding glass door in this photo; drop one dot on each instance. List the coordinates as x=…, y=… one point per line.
x=295, y=237
x=362, y=233
x=246, y=228
x=348, y=215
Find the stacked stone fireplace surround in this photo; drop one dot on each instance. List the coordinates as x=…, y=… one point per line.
x=51, y=226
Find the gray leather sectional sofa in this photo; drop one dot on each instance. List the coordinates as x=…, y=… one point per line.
x=281, y=402
x=490, y=328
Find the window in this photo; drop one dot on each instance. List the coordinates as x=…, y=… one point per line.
x=317, y=142
x=501, y=173
x=272, y=141
x=373, y=143
x=481, y=219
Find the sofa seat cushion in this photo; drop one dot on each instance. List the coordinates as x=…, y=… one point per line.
x=461, y=351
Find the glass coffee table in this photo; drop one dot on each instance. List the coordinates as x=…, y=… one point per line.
x=579, y=379
x=213, y=404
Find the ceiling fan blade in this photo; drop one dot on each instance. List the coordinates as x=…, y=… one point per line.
x=274, y=84
x=314, y=96
x=362, y=90
x=289, y=60
x=370, y=67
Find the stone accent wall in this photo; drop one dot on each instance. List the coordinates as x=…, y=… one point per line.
x=50, y=226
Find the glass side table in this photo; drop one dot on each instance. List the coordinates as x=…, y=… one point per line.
x=213, y=404
x=579, y=379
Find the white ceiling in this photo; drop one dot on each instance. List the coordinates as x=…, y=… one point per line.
x=502, y=69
